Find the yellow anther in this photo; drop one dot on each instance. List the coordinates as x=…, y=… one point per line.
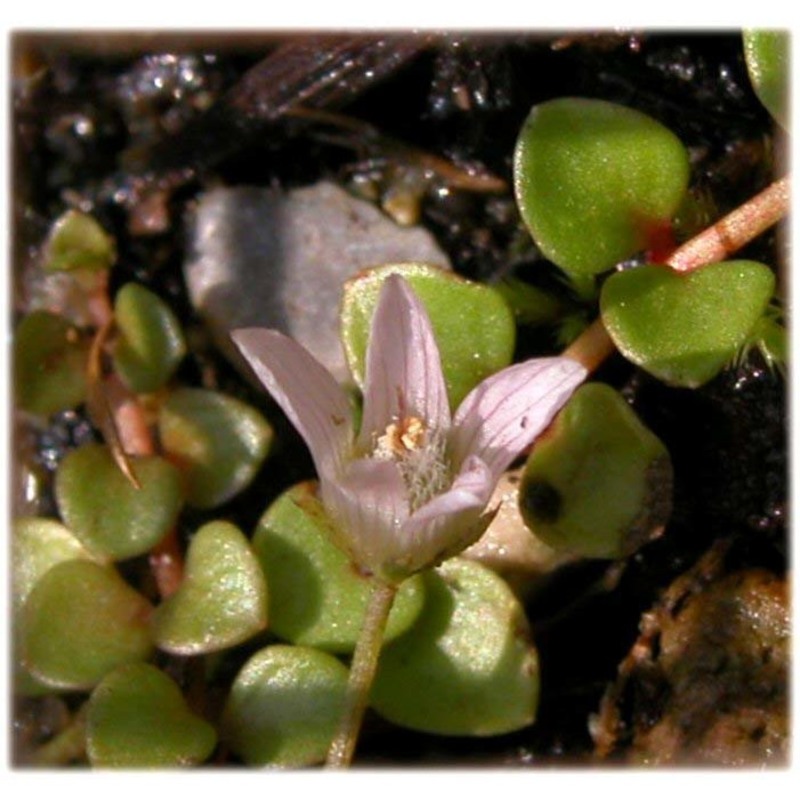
x=401, y=438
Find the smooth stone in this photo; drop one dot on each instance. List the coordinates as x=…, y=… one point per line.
x=267, y=258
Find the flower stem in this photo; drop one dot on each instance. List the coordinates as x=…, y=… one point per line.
x=592, y=347
x=362, y=673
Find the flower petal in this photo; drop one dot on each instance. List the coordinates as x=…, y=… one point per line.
x=451, y=521
x=504, y=414
x=404, y=371
x=471, y=489
x=368, y=505
x=308, y=394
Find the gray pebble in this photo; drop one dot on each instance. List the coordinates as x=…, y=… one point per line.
x=266, y=258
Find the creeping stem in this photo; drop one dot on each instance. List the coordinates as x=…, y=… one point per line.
x=362, y=673
x=716, y=243
x=735, y=230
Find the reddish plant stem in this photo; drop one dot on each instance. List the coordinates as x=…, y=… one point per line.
x=136, y=439
x=735, y=230
x=120, y=416
x=716, y=243
x=166, y=558
x=101, y=404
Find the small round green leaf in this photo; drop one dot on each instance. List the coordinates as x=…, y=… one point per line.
x=150, y=344
x=473, y=324
x=110, y=516
x=219, y=443
x=467, y=667
x=684, y=328
x=767, y=57
x=50, y=359
x=598, y=483
x=78, y=241
x=222, y=600
x=317, y=597
x=284, y=706
x=37, y=544
x=137, y=717
x=595, y=181
x=80, y=621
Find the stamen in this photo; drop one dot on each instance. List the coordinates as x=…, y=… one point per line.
x=401, y=439
x=420, y=456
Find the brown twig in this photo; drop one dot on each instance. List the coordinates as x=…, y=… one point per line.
x=451, y=173
x=101, y=408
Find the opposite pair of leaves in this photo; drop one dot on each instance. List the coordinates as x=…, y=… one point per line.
x=51, y=354
x=77, y=618
x=456, y=633
x=466, y=667
x=150, y=343
x=219, y=444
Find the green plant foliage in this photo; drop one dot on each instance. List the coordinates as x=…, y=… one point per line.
x=110, y=516
x=150, y=344
x=598, y=483
x=50, y=359
x=137, y=717
x=219, y=443
x=768, y=65
x=37, y=544
x=473, y=325
x=317, y=598
x=684, y=328
x=78, y=242
x=530, y=304
x=594, y=181
x=222, y=600
x=80, y=621
x=467, y=667
x=284, y=706
x=769, y=336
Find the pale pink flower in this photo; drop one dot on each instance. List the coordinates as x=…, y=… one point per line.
x=410, y=488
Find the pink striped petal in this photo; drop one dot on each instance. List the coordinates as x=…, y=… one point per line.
x=368, y=504
x=451, y=521
x=504, y=414
x=404, y=372
x=308, y=394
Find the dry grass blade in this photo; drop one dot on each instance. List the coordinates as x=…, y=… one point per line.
x=99, y=404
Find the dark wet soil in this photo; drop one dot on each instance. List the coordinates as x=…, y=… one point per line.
x=133, y=127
